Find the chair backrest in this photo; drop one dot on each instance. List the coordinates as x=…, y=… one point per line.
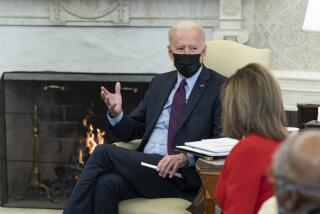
x=226, y=56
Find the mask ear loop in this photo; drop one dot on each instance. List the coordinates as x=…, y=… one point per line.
x=291, y=197
x=170, y=49
x=289, y=201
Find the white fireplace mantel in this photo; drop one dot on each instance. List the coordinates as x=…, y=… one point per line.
x=110, y=36
x=225, y=16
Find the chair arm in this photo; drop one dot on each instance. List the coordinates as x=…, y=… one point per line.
x=132, y=145
x=198, y=206
x=135, y=205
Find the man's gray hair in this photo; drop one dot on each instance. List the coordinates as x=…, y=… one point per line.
x=298, y=159
x=186, y=24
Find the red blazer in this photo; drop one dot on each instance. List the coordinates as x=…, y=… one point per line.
x=242, y=185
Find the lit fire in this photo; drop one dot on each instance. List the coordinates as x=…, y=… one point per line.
x=93, y=138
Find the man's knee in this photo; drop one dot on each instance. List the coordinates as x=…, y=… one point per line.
x=102, y=150
x=110, y=181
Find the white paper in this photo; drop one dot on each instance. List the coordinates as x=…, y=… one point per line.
x=214, y=145
x=203, y=152
x=292, y=129
x=211, y=147
x=225, y=141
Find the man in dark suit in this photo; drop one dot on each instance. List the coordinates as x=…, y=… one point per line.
x=180, y=106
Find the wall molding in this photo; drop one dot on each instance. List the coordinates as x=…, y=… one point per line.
x=299, y=87
x=107, y=12
x=231, y=22
x=223, y=16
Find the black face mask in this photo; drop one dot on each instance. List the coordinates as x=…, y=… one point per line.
x=187, y=64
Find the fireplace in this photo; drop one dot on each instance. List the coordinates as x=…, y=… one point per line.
x=42, y=130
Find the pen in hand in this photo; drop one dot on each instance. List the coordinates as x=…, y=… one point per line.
x=177, y=174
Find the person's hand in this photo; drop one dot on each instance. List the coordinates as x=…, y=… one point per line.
x=113, y=100
x=171, y=163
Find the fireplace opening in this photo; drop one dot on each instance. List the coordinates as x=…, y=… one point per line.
x=50, y=124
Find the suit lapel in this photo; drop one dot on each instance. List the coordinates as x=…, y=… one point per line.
x=198, y=88
x=161, y=98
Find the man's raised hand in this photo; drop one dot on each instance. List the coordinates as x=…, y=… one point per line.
x=113, y=100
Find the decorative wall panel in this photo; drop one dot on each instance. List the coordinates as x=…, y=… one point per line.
x=295, y=54
x=81, y=12
x=277, y=25
x=107, y=12
x=231, y=22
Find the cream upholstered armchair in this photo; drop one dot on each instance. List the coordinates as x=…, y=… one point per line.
x=159, y=205
x=225, y=57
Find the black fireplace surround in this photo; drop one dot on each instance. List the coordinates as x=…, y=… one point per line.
x=41, y=130
x=44, y=112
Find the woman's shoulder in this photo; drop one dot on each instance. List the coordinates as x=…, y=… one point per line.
x=255, y=140
x=253, y=144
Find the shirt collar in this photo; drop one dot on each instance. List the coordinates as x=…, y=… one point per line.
x=191, y=80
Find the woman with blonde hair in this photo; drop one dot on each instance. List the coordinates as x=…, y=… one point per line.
x=253, y=112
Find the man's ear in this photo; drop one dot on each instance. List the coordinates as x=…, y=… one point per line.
x=170, y=53
x=289, y=200
x=203, y=54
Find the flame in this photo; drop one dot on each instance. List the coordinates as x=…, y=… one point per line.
x=80, y=157
x=85, y=122
x=90, y=127
x=90, y=141
x=93, y=138
x=100, y=136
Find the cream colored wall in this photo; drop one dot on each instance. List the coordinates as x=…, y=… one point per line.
x=295, y=54
x=277, y=25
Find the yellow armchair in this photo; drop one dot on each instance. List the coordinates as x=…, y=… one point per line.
x=158, y=205
x=225, y=56
x=132, y=145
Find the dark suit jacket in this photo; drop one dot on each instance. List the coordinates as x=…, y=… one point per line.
x=201, y=116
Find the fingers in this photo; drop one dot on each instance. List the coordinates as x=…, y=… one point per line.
x=162, y=165
x=118, y=88
x=104, y=90
x=168, y=166
x=104, y=93
x=106, y=96
x=112, y=100
x=171, y=169
x=174, y=169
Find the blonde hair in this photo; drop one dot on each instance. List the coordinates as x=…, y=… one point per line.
x=252, y=102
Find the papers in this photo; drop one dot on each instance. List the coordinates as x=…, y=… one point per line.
x=155, y=167
x=201, y=152
x=211, y=147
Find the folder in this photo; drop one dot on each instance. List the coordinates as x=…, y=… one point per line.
x=218, y=147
